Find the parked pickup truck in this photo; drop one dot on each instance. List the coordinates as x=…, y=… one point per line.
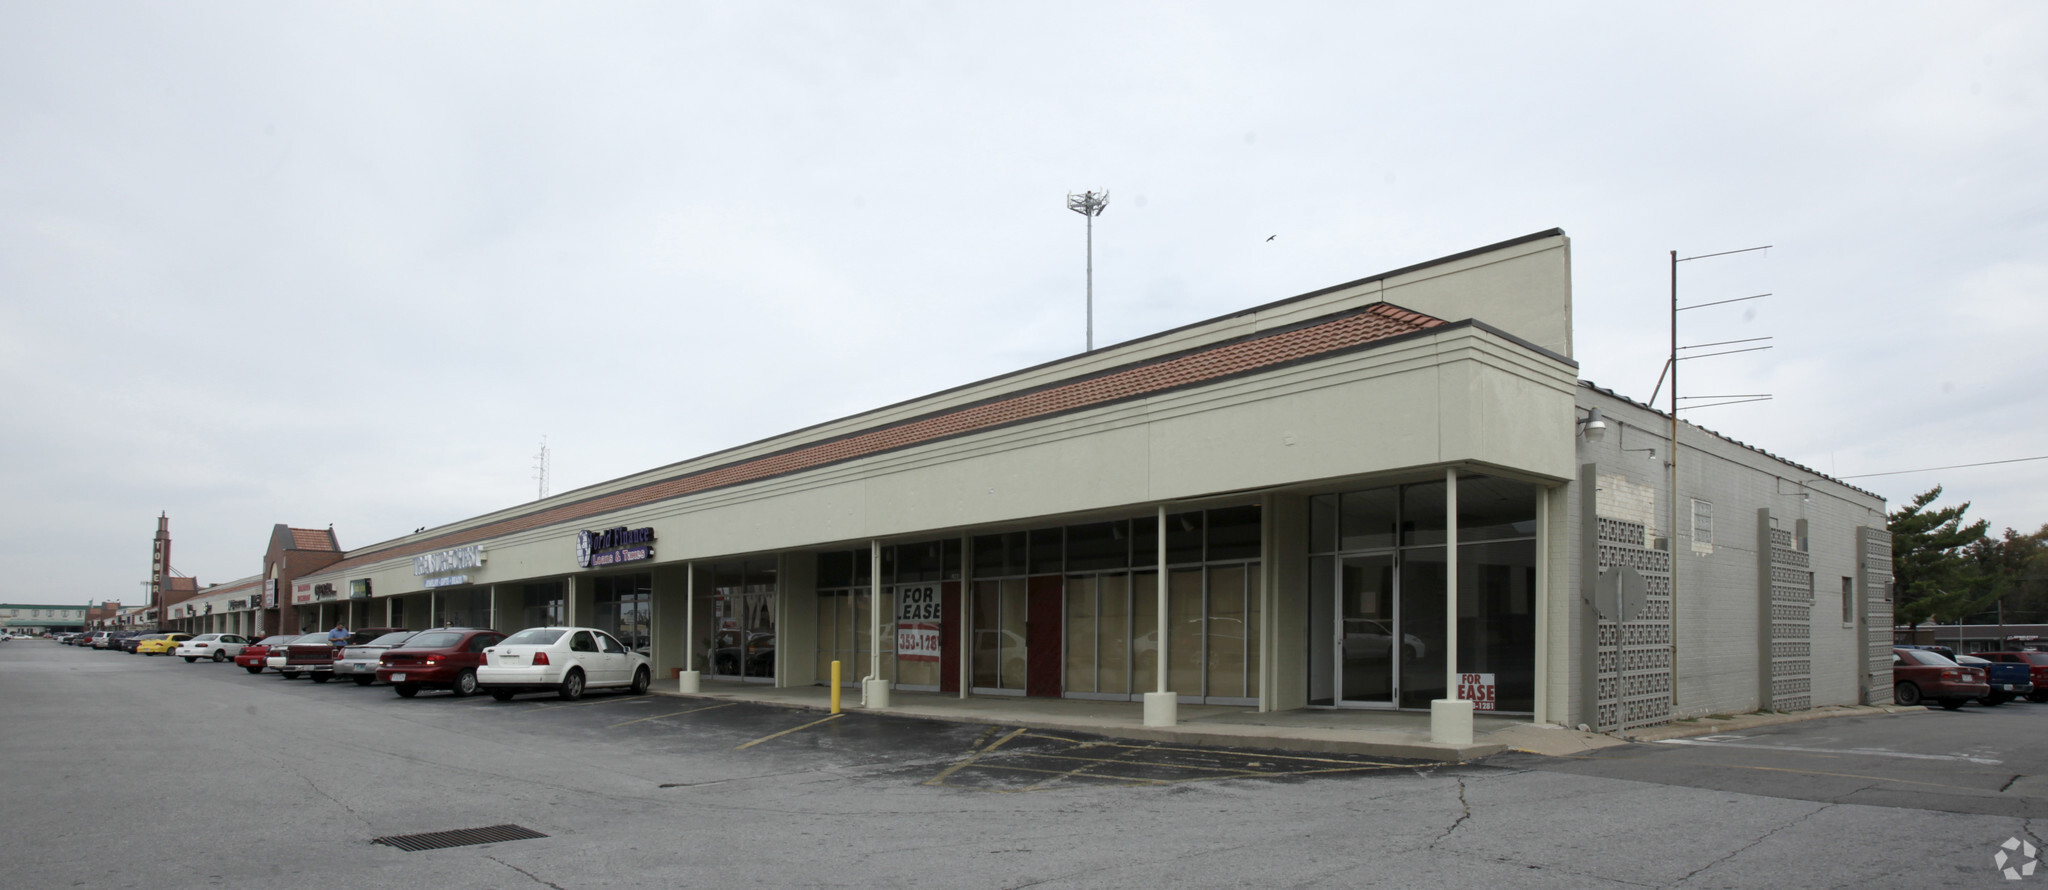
x=2009, y=680
x=313, y=656
x=2036, y=662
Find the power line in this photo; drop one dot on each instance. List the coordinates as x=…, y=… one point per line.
x=1987, y=463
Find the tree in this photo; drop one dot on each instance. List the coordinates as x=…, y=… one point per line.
x=2020, y=562
x=1933, y=574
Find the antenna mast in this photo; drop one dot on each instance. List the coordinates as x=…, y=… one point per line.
x=1090, y=204
x=540, y=467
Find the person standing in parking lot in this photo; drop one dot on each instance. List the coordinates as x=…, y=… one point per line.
x=338, y=637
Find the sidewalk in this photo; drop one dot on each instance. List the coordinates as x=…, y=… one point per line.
x=1403, y=734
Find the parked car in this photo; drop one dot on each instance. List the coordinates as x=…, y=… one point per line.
x=2007, y=681
x=446, y=658
x=97, y=639
x=279, y=657
x=219, y=647
x=314, y=655
x=1921, y=674
x=255, y=656
x=359, y=662
x=160, y=644
x=2037, y=668
x=130, y=644
x=111, y=639
x=567, y=660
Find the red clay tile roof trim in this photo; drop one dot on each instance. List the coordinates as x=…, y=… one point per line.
x=313, y=539
x=1211, y=363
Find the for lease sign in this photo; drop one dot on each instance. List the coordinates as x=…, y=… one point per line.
x=1477, y=689
x=917, y=622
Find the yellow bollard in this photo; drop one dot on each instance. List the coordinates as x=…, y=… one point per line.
x=835, y=686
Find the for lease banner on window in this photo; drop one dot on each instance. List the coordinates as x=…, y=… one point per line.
x=917, y=642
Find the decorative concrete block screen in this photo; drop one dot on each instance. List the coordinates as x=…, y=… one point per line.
x=1874, y=565
x=1635, y=641
x=1791, y=622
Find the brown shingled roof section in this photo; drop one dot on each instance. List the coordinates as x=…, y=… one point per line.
x=1378, y=321
x=312, y=539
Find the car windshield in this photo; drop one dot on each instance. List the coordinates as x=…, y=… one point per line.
x=311, y=638
x=2040, y=658
x=434, y=640
x=535, y=636
x=1970, y=659
x=1925, y=656
x=277, y=640
x=391, y=639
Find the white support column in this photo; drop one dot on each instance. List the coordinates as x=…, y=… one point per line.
x=1162, y=708
x=874, y=691
x=690, y=680
x=1450, y=718
x=966, y=613
x=1544, y=496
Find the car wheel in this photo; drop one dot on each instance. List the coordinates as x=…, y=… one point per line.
x=219, y=655
x=362, y=680
x=572, y=686
x=641, y=680
x=2037, y=697
x=1952, y=704
x=1906, y=694
x=406, y=690
x=192, y=658
x=1992, y=701
x=254, y=670
x=322, y=678
x=465, y=684
x=289, y=675
x=503, y=694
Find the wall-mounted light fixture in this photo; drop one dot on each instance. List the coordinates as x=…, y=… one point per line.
x=1804, y=495
x=1594, y=428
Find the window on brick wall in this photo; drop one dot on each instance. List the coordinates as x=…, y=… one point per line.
x=1702, y=524
x=1848, y=601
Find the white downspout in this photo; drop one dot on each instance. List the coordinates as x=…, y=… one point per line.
x=874, y=691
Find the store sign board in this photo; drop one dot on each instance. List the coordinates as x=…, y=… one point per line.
x=1477, y=689
x=359, y=589
x=446, y=581
x=470, y=557
x=270, y=593
x=302, y=594
x=613, y=546
x=917, y=622
x=323, y=591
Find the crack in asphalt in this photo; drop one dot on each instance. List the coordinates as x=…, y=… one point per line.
x=1467, y=814
x=1746, y=847
x=530, y=875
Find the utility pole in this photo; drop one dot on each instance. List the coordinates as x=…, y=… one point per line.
x=540, y=467
x=1090, y=204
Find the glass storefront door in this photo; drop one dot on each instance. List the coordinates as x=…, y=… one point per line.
x=1369, y=622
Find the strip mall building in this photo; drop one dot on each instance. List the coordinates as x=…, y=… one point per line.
x=1316, y=476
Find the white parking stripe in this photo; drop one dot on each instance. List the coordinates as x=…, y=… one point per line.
x=1865, y=752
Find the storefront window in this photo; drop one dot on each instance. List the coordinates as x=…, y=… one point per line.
x=1384, y=586
x=540, y=605
x=622, y=605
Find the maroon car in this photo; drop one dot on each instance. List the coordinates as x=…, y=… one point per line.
x=1921, y=674
x=437, y=659
x=2037, y=665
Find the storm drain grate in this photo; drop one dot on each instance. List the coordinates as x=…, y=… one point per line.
x=438, y=840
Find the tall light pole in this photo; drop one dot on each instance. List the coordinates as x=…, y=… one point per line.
x=1090, y=205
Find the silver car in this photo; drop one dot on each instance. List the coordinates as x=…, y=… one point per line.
x=359, y=663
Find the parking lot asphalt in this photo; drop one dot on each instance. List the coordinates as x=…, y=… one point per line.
x=127, y=771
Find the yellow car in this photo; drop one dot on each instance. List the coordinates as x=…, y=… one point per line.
x=161, y=645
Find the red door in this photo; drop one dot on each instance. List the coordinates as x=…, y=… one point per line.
x=1042, y=631
x=949, y=636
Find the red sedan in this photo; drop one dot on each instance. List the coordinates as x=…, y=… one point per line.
x=253, y=654
x=437, y=659
x=1921, y=674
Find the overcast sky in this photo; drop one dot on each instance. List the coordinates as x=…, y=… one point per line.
x=348, y=263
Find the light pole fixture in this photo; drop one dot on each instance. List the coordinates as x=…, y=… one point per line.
x=1090, y=204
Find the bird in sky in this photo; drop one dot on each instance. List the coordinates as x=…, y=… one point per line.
x=1271, y=237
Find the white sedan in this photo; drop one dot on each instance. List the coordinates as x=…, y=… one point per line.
x=219, y=647
x=567, y=660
